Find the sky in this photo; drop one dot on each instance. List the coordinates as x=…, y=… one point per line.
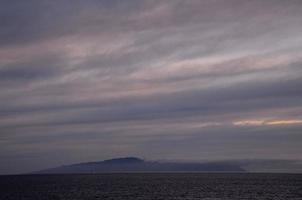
x=86, y=80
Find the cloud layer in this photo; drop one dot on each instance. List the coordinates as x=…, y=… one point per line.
x=190, y=80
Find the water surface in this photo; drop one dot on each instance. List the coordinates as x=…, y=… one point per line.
x=152, y=186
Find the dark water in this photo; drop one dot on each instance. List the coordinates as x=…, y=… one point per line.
x=152, y=186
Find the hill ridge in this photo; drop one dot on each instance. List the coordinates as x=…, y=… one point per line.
x=134, y=164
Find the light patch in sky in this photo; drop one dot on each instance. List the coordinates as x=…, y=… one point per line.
x=267, y=122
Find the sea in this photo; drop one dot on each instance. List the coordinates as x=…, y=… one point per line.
x=152, y=186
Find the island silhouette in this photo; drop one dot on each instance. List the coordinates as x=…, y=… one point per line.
x=134, y=164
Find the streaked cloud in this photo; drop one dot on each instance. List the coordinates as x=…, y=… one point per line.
x=90, y=80
x=266, y=122
x=284, y=122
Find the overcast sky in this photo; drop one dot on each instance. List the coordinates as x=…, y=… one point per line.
x=180, y=80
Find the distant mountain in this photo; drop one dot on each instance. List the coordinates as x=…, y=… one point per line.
x=133, y=164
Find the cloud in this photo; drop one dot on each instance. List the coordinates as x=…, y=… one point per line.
x=116, y=77
x=267, y=122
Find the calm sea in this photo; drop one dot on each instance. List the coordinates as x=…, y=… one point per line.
x=152, y=186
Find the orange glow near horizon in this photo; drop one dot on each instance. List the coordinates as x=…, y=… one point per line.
x=266, y=122
x=284, y=122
